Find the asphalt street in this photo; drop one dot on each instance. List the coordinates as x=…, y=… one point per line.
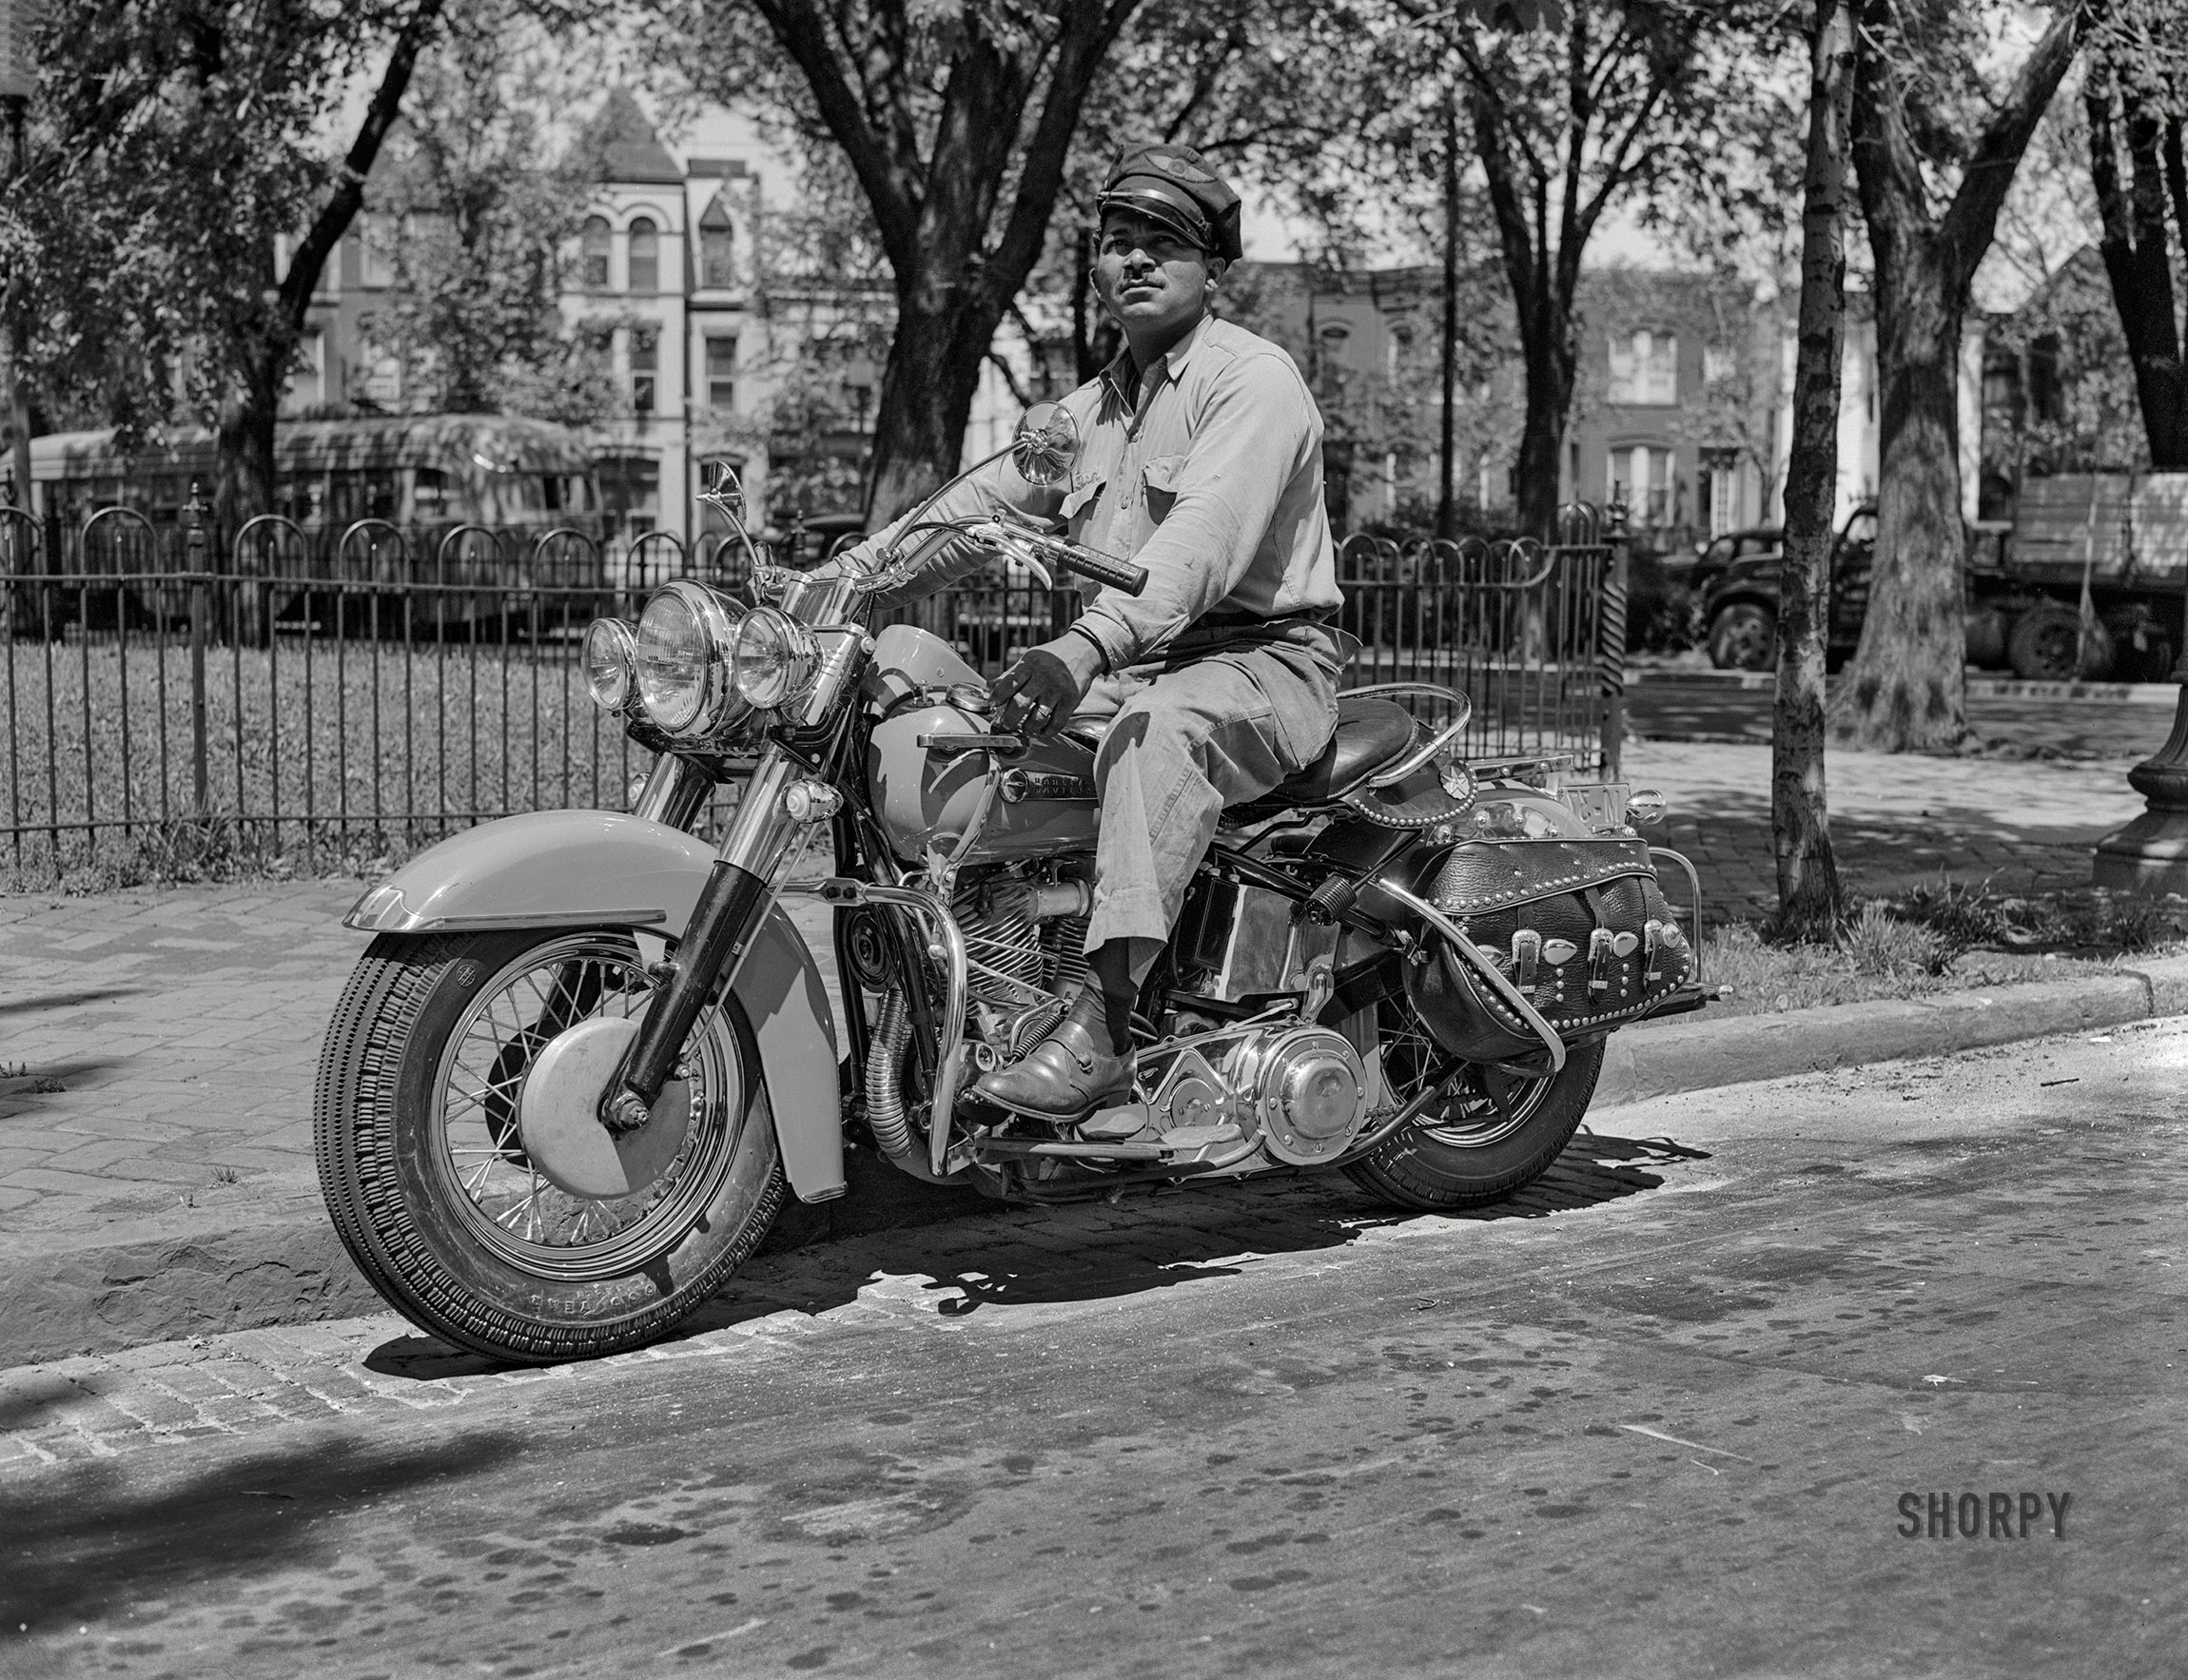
x=1674, y=1414
x=2085, y=725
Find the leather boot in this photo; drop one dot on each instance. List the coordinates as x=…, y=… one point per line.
x=1068, y=1074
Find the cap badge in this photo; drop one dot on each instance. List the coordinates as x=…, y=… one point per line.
x=1176, y=164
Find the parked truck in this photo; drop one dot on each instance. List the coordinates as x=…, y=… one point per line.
x=2118, y=541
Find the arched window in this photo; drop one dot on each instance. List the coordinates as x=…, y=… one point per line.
x=645, y=256
x=593, y=246
x=717, y=246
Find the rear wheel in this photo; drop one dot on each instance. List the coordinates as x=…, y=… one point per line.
x=2047, y=644
x=485, y=1234
x=1484, y=1135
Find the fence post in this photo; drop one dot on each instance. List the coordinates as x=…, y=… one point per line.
x=1611, y=631
x=194, y=547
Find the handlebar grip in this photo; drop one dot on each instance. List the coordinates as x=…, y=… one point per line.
x=1116, y=573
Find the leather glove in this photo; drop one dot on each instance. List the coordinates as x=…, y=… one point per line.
x=1044, y=685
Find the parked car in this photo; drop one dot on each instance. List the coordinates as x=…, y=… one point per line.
x=1740, y=607
x=1714, y=557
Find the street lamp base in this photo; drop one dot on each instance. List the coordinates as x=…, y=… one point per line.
x=2150, y=855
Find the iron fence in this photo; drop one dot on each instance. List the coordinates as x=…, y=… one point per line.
x=343, y=694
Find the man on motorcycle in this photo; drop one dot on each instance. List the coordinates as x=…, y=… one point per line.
x=1203, y=463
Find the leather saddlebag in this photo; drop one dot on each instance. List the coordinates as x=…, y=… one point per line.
x=1579, y=926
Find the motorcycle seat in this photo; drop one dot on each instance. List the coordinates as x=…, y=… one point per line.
x=1370, y=734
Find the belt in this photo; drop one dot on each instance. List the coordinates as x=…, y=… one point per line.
x=1220, y=622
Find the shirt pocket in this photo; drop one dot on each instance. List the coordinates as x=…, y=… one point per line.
x=1163, y=476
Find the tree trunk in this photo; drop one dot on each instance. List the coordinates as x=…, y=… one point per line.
x=245, y=428
x=935, y=358
x=1905, y=690
x=1547, y=351
x=2138, y=251
x=1810, y=902
x=245, y=437
x=1446, y=507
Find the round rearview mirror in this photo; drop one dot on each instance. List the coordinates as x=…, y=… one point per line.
x=718, y=487
x=1046, y=440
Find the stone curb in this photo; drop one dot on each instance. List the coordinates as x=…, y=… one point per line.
x=1993, y=688
x=1701, y=1055
x=105, y=1298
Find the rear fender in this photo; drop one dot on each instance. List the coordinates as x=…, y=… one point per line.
x=601, y=869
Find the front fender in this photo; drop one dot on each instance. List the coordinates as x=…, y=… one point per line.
x=601, y=869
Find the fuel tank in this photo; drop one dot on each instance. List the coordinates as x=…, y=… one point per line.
x=1043, y=801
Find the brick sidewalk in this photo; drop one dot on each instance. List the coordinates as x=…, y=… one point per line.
x=182, y=1027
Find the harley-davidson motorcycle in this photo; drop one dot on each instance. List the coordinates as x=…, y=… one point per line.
x=587, y=1054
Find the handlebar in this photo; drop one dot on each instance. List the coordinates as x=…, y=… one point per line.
x=1051, y=554
x=1088, y=562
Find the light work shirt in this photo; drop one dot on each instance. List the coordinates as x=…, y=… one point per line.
x=1206, y=469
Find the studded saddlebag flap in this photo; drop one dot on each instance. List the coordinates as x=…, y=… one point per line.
x=1579, y=926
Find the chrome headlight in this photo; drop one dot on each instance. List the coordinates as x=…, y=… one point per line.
x=776, y=657
x=686, y=641
x=610, y=652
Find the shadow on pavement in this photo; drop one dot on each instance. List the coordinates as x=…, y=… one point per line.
x=68, y=1000
x=18, y=1091
x=1157, y=1249
x=96, y=1538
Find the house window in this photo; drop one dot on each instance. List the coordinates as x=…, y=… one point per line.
x=717, y=246
x=1645, y=368
x=593, y=244
x=1641, y=476
x=722, y=374
x=645, y=367
x=307, y=386
x=1719, y=478
x=645, y=256
x=1719, y=364
x=1397, y=350
x=376, y=251
x=429, y=494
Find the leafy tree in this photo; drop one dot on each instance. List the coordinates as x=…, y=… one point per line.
x=956, y=122
x=486, y=221
x=1934, y=153
x=1622, y=101
x=2077, y=408
x=2135, y=94
x=977, y=133
x=176, y=145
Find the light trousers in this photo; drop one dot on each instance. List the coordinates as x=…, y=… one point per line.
x=1184, y=743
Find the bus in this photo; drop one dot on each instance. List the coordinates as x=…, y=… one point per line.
x=394, y=500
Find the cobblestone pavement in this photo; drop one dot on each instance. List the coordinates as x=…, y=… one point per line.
x=157, y=1046
x=252, y=1381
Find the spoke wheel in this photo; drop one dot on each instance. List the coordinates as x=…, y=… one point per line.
x=420, y=1123
x=1485, y=1134
x=505, y=1200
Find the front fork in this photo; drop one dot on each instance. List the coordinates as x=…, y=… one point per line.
x=731, y=910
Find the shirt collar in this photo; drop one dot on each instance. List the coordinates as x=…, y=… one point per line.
x=1124, y=382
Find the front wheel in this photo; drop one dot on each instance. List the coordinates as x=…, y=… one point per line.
x=1743, y=637
x=483, y=1232
x=1486, y=1133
